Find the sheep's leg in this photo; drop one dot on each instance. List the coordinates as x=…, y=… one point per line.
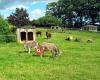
x=29, y=50
x=41, y=56
x=53, y=53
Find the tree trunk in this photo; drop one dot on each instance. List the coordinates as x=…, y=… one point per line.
x=81, y=21
x=93, y=20
x=70, y=23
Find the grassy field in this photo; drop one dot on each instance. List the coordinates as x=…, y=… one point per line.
x=78, y=61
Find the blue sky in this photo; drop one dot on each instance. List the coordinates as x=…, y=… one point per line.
x=35, y=8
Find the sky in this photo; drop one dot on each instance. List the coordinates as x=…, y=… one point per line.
x=35, y=8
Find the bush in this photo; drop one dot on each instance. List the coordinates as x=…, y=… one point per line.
x=4, y=26
x=98, y=28
x=7, y=38
x=12, y=28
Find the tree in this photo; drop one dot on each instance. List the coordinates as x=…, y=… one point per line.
x=5, y=31
x=47, y=21
x=69, y=10
x=51, y=9
x=64, y=9
x=19, y=18
x=4, y=26
x=91, y=10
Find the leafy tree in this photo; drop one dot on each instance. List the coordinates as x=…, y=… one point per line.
x=64, y=10
x=91, y=10
x=75, y=10
x=47, y=21
x=4, y=26
x=19, y=18
x=35, y=22
x=52, y=9
x=5, y=31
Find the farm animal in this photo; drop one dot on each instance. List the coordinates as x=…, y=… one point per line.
x=70, y=38
x=77, y=39
x=39, y=50
x=38, y=33
x=50, y=47
x=30, y=45
x=89, y=40
x=48, y=35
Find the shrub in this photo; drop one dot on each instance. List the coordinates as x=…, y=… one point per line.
x=7, y=38
x=98, y=28
x=4, y=26
x=12, y=28
x=1, y=38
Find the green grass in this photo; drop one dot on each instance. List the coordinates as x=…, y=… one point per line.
x=78, y=61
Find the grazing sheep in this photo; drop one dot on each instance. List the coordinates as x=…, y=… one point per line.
x=70, y=38
x=50, y=47
x=48, y=35
x=38, y=33
x=89, y=40
x=77, y=39
x=30, y=45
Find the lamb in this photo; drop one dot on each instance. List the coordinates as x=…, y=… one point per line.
x=30, y=45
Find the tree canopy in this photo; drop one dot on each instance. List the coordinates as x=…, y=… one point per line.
x=75, y=11
x=47, y=21
x=4, y=26
x=19, y=18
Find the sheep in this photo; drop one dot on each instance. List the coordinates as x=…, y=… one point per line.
x=38, y=33
x=48, y=35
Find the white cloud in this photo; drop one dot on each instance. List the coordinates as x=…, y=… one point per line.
x=26, y=1
x=0, y=1
x=45, y=1
x=6, y=3
x=35, y=2
x=17, y=6
x=37, y=13
x=49, y=1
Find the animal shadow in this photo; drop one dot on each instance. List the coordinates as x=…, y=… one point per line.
x=35, y=55
x=23, y=51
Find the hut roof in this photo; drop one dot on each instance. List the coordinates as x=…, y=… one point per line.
x=28, y=27
x=90, y=26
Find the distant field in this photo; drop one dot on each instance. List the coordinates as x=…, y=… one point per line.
x=78, y=61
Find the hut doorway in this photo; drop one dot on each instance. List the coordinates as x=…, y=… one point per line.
x=23, y=36
x=30, y=36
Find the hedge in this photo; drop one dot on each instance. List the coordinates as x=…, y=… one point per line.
x=7, y=38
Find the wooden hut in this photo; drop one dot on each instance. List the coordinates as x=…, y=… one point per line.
x=90, y=28
x=25, y=35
